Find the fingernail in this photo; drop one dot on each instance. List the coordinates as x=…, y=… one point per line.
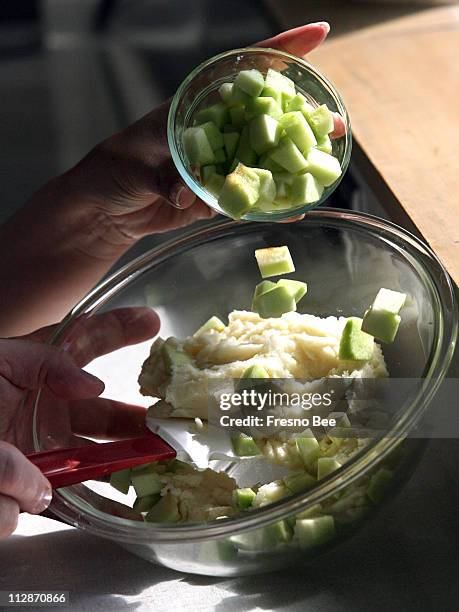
x=325, y=25
x=43, y=501
x=93, y=380
x=183, y=197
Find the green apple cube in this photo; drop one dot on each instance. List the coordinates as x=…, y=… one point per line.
x=274, y=261
x=244, y=446
x=379, y=484
x=382, y=320
x=230, y=140
x=281, y=83
x=269, y=164
x=121, y=480
x=325, y=144
x=217, y=113
x=389, y=301
x=262, y=287
x=298, y=130
x=272, y=92
x=299, y=482
x=214, y=136
x=321, y=121
x=197, y=146
x=267, y=185
x=237, y=96
x=214, y=184
x=381, y=324
x=299, y=103
x=240, y=191
x=146, y=482
x=225, y=92
x=214, y=323
x=245, y=152
x=174, y=355
x=325, y=466
x=287, y=155
x=306, y=189
x=323, y=166
x=274, y=303
x=220, y=156
x=207, y=171
x=251, y=82
x=312, y=512
x=244, y=497
x=237, y=114
x=255, y=371
x=144, y=504
x=297, y=288
x=308, y=448
x=262, y=106
x=165, y=511
x=278, y=533
x=355, y=344
x=315, y=531
x=265, y=133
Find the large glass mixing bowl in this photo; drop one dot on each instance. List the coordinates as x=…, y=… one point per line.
x=345, y=258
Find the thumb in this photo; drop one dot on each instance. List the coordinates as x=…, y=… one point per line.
x=31, y=365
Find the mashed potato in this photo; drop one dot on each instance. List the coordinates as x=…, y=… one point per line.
x=294, y=345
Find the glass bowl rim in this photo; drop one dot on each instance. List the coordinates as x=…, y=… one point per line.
x=198, y=189
x=67, y=506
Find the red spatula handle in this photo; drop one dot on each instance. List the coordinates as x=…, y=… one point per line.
x=67, y=466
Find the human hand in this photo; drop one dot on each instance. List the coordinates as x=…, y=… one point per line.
x=130, y=182
x=69, y=404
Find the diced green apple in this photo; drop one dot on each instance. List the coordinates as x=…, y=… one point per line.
x=274, y=303
x=265, y=133
x=251, y=82
x=324, y=167
x=274, y=261
x=217, y=113
x=244, y=446
x=321, y=121
x=240, y=191
x=315, y=531
x=197, y=146
x=298, y=130
x=355, y=344
x=244, y=497
x=306, y=189
x=287, y=155
x=121, y=480
x=297, y=288
x=213, y=324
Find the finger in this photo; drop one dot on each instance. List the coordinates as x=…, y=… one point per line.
x=22, y=480
x=91, y=337
x=339, y=126
x=107, y=419
x=292, y=219
x=165, y=218
x=169, y=185
x=9, y=513
x=30, y=365
x=298, y=41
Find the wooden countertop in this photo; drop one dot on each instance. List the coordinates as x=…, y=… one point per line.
x=400, y=83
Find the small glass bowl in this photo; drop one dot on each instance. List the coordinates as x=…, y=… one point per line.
x=200, y=88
